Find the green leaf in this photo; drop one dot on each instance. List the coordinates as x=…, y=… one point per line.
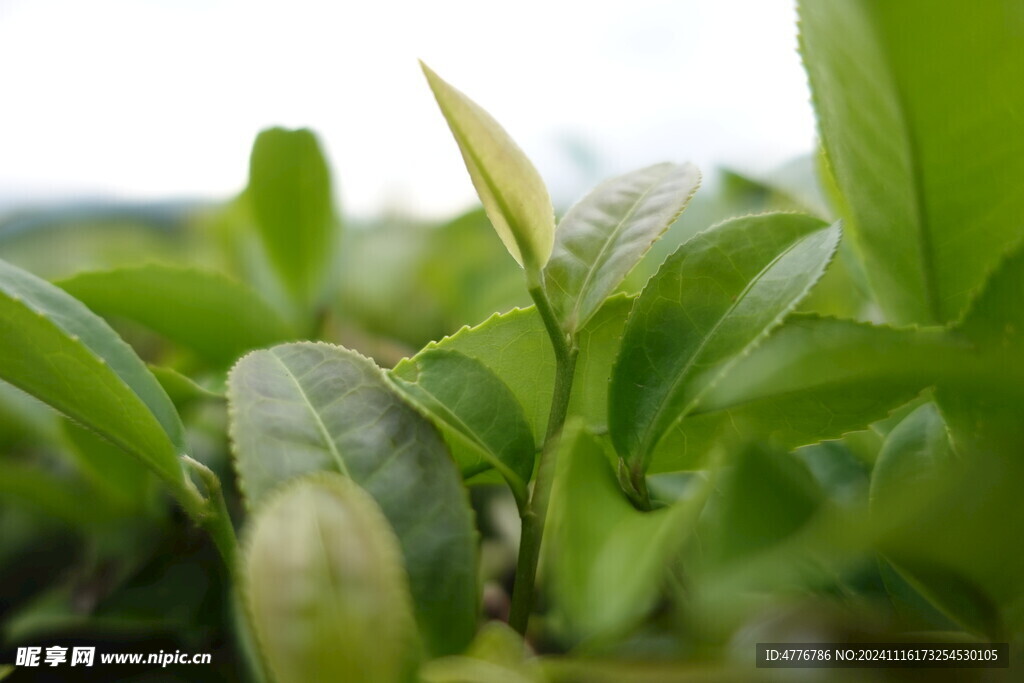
x=207, y=312
x=766, y=537
x=325, y=587
x=478, y=413
x=54, y=496
x=124, y=481
x=810, y=380
x=985, y=417
x=605, y=235
x=607, y=558
x=909, y=602
x=911, y=462
x=181, y=389
x=963, y=557
x=25, y=420
x=763, y=497
x=989, y=416
x=54, y=348
x=516, y=348
x=302, y=408
x=290, y=197
x=510, y=188
x=713, y=300
x=921, y=125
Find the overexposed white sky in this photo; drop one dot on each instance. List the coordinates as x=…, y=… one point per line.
x=142, y=99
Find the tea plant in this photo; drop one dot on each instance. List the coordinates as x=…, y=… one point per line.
x=791, y=405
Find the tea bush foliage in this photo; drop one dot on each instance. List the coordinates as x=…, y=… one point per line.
x=665, y=426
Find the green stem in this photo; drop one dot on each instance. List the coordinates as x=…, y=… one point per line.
x=633, y=481
x=535, y=513
x=638, y=483
x=212, y=515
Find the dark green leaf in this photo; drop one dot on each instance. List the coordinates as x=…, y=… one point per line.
x=811, y=379
x=711, y=301
x=122, y=480
x=302, y=408
x=766, y=538
x=478, y=413
x=764, y=497
x=947, y=521
x=54, y=496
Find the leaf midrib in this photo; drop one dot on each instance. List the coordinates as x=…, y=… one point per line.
x=645, y=443
x=321, y=427
x=924, y=242
x=599, y=259
x=333, y=587
x=472, y=437
x=929, y=281
x=499, y=198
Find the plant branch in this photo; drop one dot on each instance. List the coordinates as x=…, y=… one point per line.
x=535, y=513
x=213, y=515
